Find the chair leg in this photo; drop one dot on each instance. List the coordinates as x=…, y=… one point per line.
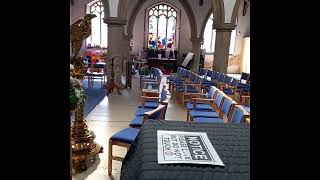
x=188, y=112
x=110, y=158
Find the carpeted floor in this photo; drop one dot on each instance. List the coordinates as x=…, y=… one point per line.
x=95, y=95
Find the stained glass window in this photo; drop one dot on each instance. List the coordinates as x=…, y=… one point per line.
x=162, y=27
x=99, y=34
x=210, y=37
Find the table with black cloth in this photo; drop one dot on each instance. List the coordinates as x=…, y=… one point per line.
x=231, y=141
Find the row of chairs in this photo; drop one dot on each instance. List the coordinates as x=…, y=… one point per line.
x=215, y=107
x=186, y=83
x=153, y=81
x=151, y=107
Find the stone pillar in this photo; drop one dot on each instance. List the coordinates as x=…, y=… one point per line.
x=221, y=50
x=126, y=52
x=196, y=46
x=115, y=47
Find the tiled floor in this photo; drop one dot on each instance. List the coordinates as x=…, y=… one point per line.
x=111, y=115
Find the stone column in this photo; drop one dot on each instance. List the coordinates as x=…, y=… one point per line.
x=221, y=50
x=196, y=46
x=115, y=47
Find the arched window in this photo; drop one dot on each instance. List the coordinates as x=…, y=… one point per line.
x=162, y=21
x=99, y=34
x=210, y=37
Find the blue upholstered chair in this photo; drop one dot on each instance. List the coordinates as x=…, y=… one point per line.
x=237, y=115
x=186, y=89
x=227, y=106
x=230, y=87
x=154, y=83
x=123, y=138
x=205, y=104
x=207, y=83
x=126, y=136
x=214, y=112
x=245, y=102
x=202, y=72
x=141, y=111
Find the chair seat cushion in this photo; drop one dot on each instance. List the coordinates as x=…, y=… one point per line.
x=149, y=104
x=211, y=114
x=190, y=89
x=137, y=121
x=227, y=91
x=127, y=135
x=199, y=106
x=207, y=120
x=209, y=84
x=247, y=108
x=141, y=111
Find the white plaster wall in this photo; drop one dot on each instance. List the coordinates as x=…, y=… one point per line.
x=200, y=12
x=243, y=28
x=78, y=10
x=139, y=35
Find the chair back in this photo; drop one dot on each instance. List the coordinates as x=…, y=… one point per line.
x=244, y=77
x=218, y=100
x=216, y=76
x=209, y=74
x=234, y=82
x=228, y=79
x=202, y=72
x=227, y=105
x=222, y=78
x=239, y=114
x=179, y=70
x=213, y=92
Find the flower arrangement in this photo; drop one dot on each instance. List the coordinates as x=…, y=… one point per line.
x=77, y=94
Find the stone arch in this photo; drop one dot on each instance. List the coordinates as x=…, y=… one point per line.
x=204, y=23
x=185, y=5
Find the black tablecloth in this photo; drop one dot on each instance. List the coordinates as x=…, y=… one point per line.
x=231, y=141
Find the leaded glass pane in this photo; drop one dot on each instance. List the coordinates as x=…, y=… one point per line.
x=152, y=39
x=162, y=32
x=171, y=32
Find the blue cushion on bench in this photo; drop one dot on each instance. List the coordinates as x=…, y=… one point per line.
x=227, y=91
x=141, y=111
x=207, y=120
x=190, y=89
x=150, y=104
x=247, y=108
x=199, y=106
x=127, y=135
x=137, y=121
x=211, y=114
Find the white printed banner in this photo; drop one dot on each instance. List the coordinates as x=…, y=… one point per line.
x=186, y=147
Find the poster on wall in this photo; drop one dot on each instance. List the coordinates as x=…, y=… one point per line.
x=186, y=147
